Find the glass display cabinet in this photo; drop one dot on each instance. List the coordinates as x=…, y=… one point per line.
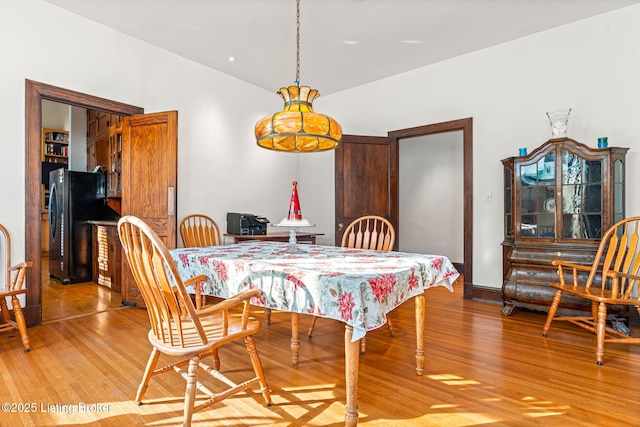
x=558, y=201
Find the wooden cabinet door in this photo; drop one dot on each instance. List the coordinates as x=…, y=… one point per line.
x=366, y=180
x=101, y=148
x=149, y=177
x=91, y=156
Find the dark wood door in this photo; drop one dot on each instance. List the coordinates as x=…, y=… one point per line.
x=366, y=169
x=149, y=177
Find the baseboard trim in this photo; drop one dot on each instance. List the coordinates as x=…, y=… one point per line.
x=487, y=294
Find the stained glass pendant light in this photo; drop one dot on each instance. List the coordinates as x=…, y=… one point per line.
x=297, y=128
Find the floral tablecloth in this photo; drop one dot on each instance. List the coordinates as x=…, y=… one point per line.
x=355, y=286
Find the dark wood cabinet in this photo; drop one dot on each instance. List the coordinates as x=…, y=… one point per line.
x=558, y=201
x=107, y=256
x=101, y=128
x=139, y=155
x=114, y=168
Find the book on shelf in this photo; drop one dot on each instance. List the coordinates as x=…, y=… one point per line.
x=57, y=136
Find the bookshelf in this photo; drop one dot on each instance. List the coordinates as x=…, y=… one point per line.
x=114, y=172
x=55, y=146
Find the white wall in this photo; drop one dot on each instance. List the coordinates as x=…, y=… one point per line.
x=55, y=115
x=77, y=138
x=431, y=193
x=592, y=66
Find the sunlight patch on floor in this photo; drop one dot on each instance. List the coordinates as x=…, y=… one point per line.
x=455, y=419
x=450, y=379
x=532, y=406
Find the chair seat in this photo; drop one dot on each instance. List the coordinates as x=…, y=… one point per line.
x=192, y=342
x=595, y=294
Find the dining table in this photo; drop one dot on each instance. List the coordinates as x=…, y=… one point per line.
x=357, y=287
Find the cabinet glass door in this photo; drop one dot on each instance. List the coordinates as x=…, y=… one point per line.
x=508, y=197
x=537, y=198
x=618, y=191
x=581, y=197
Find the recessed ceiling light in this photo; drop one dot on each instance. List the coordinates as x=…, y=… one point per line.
x=350, y=42
x=232, y=59
x=411, y=41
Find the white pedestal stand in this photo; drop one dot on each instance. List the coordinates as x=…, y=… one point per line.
x=293, y=244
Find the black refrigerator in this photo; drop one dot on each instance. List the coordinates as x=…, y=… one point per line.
x=74, y=199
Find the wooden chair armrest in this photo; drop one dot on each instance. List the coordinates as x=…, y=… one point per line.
x=195, y=281
x=575, y=267
x=625, y=275
x=21, y=265
x=559, y=262
x=229, y=303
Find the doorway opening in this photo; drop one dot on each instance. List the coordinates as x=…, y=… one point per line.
x=431, y=196
x=366, y=182
x=466, y=127
x=35, y=93
x=67, y=145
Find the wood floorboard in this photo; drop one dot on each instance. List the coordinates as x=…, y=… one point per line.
x=481, y=369
x=73, y=300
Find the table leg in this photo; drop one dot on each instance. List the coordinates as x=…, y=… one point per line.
x=295, y=342
x=267, y=316
x=351, y=359
x=420, y=316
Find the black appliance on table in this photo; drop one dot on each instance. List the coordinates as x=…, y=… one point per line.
x=246, y=224
x=74, y=199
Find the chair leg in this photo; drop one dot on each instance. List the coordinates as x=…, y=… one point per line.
x=216, y=359
x=257, y=367
x=363, y=340
x=312, y=326
x=6, y=318
x=148, y=373
x=22, y=327
x=190, y=391
x=390, y=326
x=552, y=312
x=600, y=332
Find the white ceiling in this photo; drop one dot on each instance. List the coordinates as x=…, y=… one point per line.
x=344, y=43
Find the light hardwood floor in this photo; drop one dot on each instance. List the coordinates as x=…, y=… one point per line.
x=481, y=369
x=78, y=299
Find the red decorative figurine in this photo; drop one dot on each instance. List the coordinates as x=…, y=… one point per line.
x=295, y=213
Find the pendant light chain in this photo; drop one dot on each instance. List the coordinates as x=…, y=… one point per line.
x=297, y=81
x=297, y=128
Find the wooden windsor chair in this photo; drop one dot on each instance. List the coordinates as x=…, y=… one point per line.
x=179, y=329
x=199, y=230
x=612, y=279
x=367, y=232
x=12, y=287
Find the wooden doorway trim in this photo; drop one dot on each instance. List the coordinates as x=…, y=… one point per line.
x=466, y=126
x=35, y=92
